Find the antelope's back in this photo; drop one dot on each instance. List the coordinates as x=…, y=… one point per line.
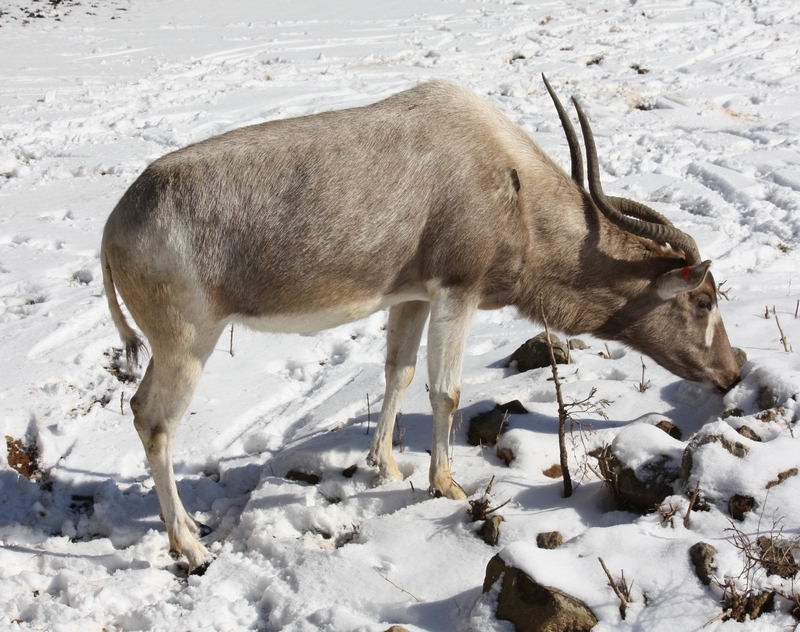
x=379, y=198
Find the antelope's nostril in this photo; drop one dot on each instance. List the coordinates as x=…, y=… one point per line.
x=725, y=389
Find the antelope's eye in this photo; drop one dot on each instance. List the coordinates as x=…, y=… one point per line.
x=704, y=303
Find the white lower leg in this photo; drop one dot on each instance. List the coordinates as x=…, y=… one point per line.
x=442, y=483
x=404, y=331
x=451, y=315
x=180, y=526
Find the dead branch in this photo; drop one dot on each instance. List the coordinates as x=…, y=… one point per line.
x=621, y=589
x=562, y=411
x=480, y=509
x=691, y=505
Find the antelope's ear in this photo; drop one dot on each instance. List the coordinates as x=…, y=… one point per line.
x=685, y=279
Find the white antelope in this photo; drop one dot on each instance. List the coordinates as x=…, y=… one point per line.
x=431, y=203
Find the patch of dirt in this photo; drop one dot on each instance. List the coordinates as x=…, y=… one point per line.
x=33, y=10
x=117, y=366
x=23, y=458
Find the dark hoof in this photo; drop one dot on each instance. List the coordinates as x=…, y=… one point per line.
x=203, y=529
x=201, y=570
x=175, y=554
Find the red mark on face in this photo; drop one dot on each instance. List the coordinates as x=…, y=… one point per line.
x=686, y=272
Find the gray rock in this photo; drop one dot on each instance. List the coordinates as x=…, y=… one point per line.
x=533, y=607
x=702, y=555
x=303, y=477
x=485, y=428
x=766, y=398
x=736, y=448
x=514, y=407
x=535, y=354
x=760, y=603
x=505, y=454
x=748, y=433
x=670, y=428
x=490, y=530
x=549, y=540
x=739, y=505
x=647, y=488
x=740, y=355
x=778, y=560
x=576, y=344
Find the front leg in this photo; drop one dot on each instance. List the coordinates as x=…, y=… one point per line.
x=451, y=315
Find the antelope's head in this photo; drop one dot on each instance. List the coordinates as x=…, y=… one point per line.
x=676, y=319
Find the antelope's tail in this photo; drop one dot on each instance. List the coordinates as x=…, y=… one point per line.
x=133, y=342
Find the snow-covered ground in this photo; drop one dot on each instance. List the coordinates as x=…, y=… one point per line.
x=695, y=107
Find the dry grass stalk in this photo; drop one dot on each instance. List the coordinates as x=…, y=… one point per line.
x=400, y=588
x=620, y=588
x=643, y=385
x=786, y=347
x=770, y=554
x=500, y=429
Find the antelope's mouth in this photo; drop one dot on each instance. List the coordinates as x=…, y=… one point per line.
x=719, y=389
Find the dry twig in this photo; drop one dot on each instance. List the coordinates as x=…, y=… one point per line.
x=562, y=411
x=643, y=386
x=400, y=588
x=621, y=589
x=691, y=505
x=721, y=292
x=786, y=347
x=480, y=509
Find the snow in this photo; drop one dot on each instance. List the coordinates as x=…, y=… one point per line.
x=694, y=108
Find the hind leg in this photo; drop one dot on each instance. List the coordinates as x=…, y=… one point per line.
x=403, y=334
x=158, y=406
